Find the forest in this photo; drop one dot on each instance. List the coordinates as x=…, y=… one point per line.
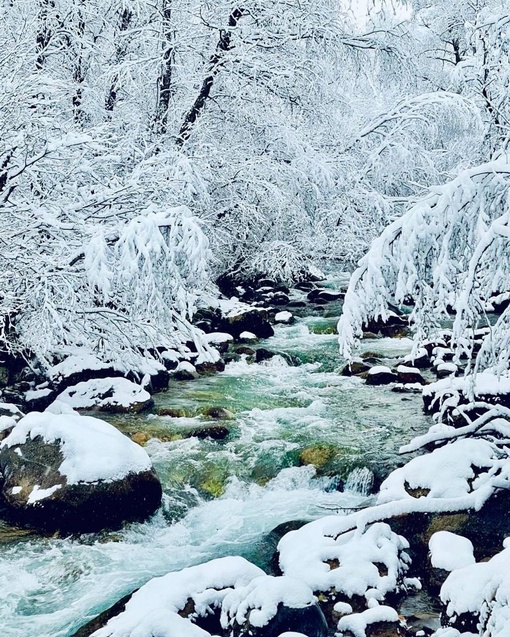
x=251, y=254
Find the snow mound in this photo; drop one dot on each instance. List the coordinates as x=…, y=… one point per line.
x=357, y=623
x=92, y=449
x=449, y=551
x=154, y=608
x=349, y=562
x=481, y=590
x=109, y=394
x=456, y=470
x=258, y=601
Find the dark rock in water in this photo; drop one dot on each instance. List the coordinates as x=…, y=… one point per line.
x=409, y=375
x=306, y=286
x=279, y=298
x=249, y=320
x=355, y=368
x=266, y=283
x=381, y=376
x=209, y=367
x=218, y=413
x=244, y=349
x=101, y=620
x=309, y=620
x=36, y=494
x=172, y=412
x=263, y=354
x=320, y=295
x=215, y=432
x=393, y=326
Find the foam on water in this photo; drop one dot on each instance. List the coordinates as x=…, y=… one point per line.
x=50, y=587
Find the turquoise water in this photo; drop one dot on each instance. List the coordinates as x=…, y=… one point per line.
x=221, y=497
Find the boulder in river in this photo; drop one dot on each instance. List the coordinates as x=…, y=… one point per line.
x=244, y=318
x=381, y=375
x=71, y=473
x=115, y=395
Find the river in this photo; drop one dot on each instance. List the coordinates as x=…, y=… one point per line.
x=222, y=497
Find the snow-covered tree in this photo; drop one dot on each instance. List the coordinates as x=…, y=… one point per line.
x=449, y=253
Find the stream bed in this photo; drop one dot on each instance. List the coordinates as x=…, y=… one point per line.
x=223, y=497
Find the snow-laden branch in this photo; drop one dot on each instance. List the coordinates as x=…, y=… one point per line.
x=450, y=251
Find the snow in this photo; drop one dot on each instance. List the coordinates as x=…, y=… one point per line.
x=216, y=338
x=248, y=336
x=449, y=551
x=379, y=369
x=233, y=307
x=283, y=317
x=75, y=364
x=153, y=609
x=482, y=589
x=403, y=369
x=447, y=472
x=359, y=622
x=342, y=608
x=6, y=422
x=484, y=383
x=304, y=554
x=258, y=601
x=186, y=366
x=92, y=449
x=37, y=494
x=36, y=394
x=104, y=392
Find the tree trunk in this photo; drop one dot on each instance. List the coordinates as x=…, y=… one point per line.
x=44, y=33
x=125, y=22
x=224, y=45
x=165, y=86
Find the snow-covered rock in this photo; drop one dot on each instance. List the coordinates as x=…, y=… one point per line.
x=365, y=563
x=377, y=618
x=116, y=395
x=451, y=394
x=381, y=375
x=158, y=607
x=477, y=596
x=185, y=371
x=74, y=473
x=268, y=605
x=407, y=374
x=461, y=470
x=284, y=317
x=239, y=317
x=248, y=337
x=449, y=551
x=78, y=368
x=227, y=596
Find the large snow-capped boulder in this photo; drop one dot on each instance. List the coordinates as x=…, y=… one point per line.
x=74, y=473
x=240, y=317
x=116, y=395
x=227, y=596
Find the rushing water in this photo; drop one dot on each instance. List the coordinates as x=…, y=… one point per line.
x=222, y=497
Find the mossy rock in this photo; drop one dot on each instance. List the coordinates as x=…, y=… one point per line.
x=217, y=413
x=214, y=486
x=318, y=455
x=172, y=412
